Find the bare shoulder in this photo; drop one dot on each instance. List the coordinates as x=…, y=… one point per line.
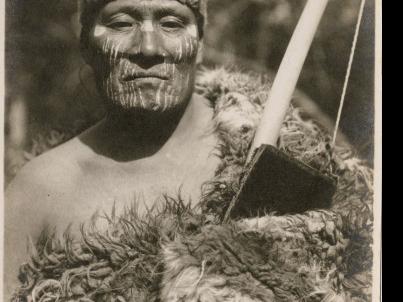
x=42, y=190
x=48, y=173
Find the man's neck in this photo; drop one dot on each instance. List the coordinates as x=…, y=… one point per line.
x=130, y=135
x=149, y=128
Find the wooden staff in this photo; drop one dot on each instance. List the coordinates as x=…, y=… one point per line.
x=273, y=181
x=287, y=76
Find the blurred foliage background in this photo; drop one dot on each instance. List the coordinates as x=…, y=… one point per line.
x=50, y=92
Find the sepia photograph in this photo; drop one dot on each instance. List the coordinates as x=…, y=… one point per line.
x=192, y=151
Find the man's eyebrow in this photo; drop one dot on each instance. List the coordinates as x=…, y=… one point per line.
x=167, y=10
x=161, y=11
x=166, y=7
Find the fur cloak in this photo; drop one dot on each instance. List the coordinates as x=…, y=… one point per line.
x=175, y=253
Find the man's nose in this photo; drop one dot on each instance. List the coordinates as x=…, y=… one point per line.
x=149, y=46
x=147, y=49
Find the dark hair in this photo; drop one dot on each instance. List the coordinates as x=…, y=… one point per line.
x=91, y=8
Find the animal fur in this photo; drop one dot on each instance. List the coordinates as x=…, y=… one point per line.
x=176, y=253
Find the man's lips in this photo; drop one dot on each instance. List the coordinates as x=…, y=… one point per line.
x=145, y=75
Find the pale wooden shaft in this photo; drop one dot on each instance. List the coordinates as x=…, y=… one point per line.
x=288, y=74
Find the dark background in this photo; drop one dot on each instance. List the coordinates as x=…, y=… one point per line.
x=48, y=86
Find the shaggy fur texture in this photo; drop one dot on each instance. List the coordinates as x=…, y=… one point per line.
x=175, y=253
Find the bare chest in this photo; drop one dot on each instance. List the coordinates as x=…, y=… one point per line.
x=179, y=172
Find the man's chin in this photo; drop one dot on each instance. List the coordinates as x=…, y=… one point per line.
x=147, y=97
x=145, y=106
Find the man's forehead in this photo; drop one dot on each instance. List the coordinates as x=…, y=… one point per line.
x=196, y=5
x=139, y=5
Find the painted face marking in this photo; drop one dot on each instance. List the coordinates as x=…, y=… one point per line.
x=180, y=52
x=119, y=51
x=125, y=70
x=187, y=78
x=192, y=30
x=176, y=54
x=109, y=88
x=99, y=31
x=164, y=105
x=188, y=42
x=113, y=92
x=165, y=68
x=166, y=96
x=173, y=70
x=116, y=52
x=109, y=51
x=141, y=97
x=106, y=46
x=133, y=98
x=185, y=47
x=158, y=98
x=126, y=96
x=147, y=26
x=191, y=45
x=111, y=54
x=170, y=96
x=139, y=101
x=138, y=49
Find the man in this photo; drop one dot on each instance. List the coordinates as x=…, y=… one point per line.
x=159, y=138
x=155, y=139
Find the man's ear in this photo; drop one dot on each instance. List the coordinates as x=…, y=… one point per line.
x=199, y=58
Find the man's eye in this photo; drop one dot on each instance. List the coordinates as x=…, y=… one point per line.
x=171, y=24
x=120, y=24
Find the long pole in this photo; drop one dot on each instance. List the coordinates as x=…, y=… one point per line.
x=287, y=76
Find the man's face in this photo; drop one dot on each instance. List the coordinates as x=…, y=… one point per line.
x=144, y=53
